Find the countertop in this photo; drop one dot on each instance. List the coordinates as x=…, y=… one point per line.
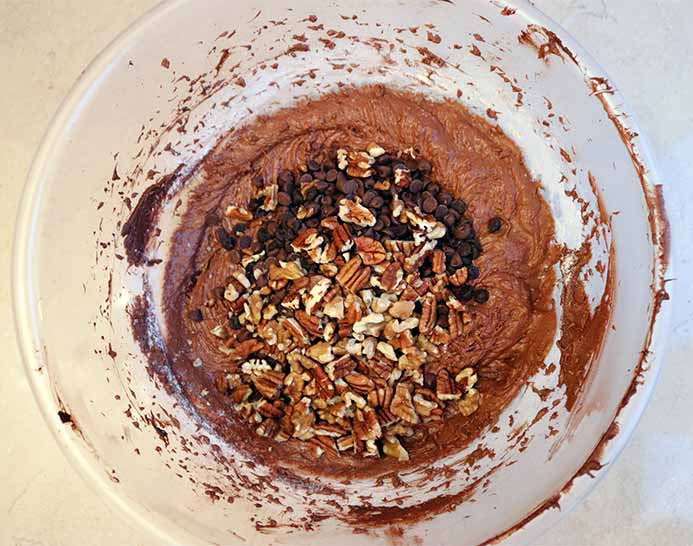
x=646, y=46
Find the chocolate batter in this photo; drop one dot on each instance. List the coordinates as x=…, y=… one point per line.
x=508, y=337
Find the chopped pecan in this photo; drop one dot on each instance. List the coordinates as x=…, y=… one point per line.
x=269, y=384
x=428, y=314
x=322, y=352
x=362, y=384
x=241, y=393
x=334, y=308
x=366, y=425
x=353, y=212
x=455, y=323
x=393, y=448
x=286, y=270
x=268, y=428
x=371, y=251
x=353, y=275
x=341, y=367
x=341, y=238
x=239, y=214
x=310, y=323
x=460, y=277
x=267, y=409
x=296, y=330
x=470, y=403
x=307, y=240
x=438, y=261
x=324, y=383
x=303, y=419
x=402, y=405
x=446, y=389
x=391, y=277
x=423, y=406
x=345, y=443
x=380, y=367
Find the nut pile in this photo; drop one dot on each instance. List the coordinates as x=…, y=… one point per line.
x=347, y=280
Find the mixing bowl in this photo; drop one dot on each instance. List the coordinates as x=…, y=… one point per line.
x=161, y=95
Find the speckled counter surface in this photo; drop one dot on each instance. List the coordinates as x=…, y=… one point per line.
x=646, y=46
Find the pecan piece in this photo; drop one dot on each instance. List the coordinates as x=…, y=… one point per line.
x=393, y=448
x=362, y=384
x=353, y=276
x=428, y=314
x=323, y=382
x=391, y=277
x=310, y=323
x=460, y=277
x=438, y=261
x=366, y=425
x=371, y=251
x=341, y=367
x=353, y=212
x=446, y=389
x=402, y=405
x=269, y=384
x=307, y=240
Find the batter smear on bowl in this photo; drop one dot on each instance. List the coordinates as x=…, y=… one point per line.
x=359, y=282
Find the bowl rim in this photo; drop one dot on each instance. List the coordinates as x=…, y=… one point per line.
x=33, y=352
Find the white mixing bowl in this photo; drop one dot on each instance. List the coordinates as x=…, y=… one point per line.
x=205, y=66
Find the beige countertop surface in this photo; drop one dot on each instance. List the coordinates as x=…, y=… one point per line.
x=647, y=48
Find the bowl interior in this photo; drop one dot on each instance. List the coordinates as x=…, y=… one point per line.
x=161, y=97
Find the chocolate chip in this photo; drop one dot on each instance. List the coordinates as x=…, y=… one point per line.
x=459, y=205
x=262, y=235
x=286, y=177
x=234, y=256
x=320, y=175
x=464, y=249
x=261, y=281
x=462, y=231
x=306, y=178
x=445, y=198
x=440, y=212
x=313, y=165
x=234, y=322
x=212, y=219
x=425, y=166
x=225, y=239
x=433, y=188
x=449, y=219
x=195, y=315
x=472, y=272
x=245, y=242
x=494, y=224
x=331, y=175
x=481, y=295
x=464, y=292
x=240, y=227
x=283, y=199
x=258, y=181
x=243, y=335
x=429, y=205
x=416, y=186
x=456, y=261
x=377, y=202
x=384, y=171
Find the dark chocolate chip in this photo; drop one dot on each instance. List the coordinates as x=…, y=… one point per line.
x=286, y=177
x=218, y=292
x=425, y=166
x=195, y=315
x=212, y=219
x=494, y=224
x=225, y=239
x=433, y=188
x=240, y=227
x=449, y=219
x=283, y=199
x=384, y=171
x=445, y=198
x=234, y=256
x=258, y=181
x=472, y=272
x=481, y=295
x=234, y=322
x=456, y=261
x=306, y=178
x=245, y=242
x=331, y=175
x=429, y=205
x=440, y=212
x=416, y=186
x=459, y=205
x=313, y=165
